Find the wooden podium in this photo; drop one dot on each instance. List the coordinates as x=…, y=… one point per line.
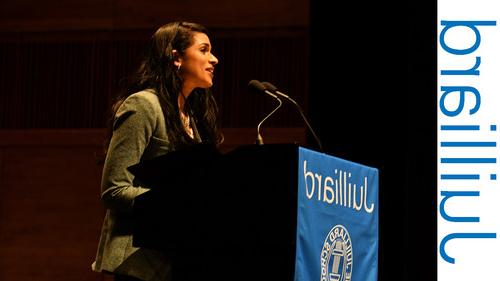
x=220, y=216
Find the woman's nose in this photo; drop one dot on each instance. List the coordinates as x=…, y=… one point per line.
x=213, y=59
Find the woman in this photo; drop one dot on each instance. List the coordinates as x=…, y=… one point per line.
x=167, y=106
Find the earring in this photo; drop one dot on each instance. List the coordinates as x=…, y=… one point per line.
x=179, y=67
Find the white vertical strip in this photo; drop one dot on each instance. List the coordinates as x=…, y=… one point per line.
x=468, y=135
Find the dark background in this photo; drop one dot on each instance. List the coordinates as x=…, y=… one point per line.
x=373, y=100
x=364, y=73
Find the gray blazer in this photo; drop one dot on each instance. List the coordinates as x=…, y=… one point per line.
x=139, y=133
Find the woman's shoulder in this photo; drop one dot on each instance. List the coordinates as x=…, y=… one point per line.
x=146, y=100
x=148, y=95
x=144, y=104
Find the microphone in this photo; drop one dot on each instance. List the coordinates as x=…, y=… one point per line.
x=259, y=87
x=270, y=87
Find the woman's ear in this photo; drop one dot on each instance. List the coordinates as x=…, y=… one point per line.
x=176, y=58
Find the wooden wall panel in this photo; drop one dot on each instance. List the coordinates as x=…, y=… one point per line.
x=53, y=15
x=50, y=212
x=66, y=80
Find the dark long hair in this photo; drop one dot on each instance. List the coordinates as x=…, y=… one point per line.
x=157, y=71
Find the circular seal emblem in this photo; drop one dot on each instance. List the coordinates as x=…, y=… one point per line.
x=336, y=255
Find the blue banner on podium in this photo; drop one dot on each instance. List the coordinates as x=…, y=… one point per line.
x=337, y=219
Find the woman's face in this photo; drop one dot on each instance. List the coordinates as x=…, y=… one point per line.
x=197, y=63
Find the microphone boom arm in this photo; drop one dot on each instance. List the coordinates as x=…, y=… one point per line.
x=303, y=117
x=259, y=140
x=271, y=87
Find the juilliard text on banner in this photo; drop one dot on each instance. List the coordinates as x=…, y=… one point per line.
x=468, y=68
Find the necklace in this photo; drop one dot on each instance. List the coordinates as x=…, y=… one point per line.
x=185, y=120
x=186, y=123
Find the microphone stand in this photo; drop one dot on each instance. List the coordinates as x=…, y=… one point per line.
x=271, y=87
x=259, y=140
